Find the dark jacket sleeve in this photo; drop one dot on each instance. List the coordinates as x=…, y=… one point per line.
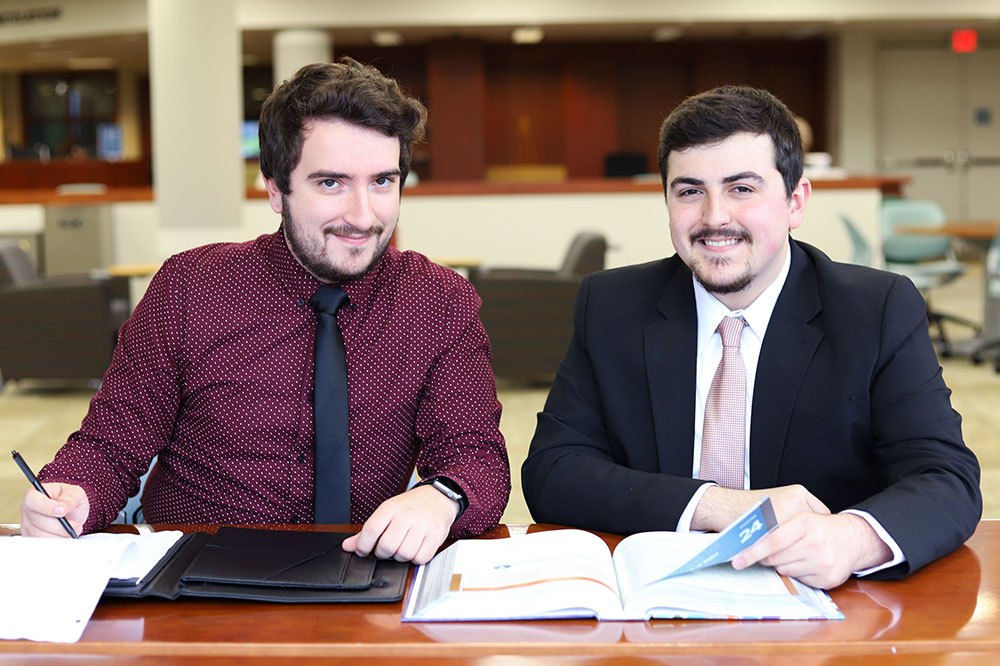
x=593, y=461
x=932, y=500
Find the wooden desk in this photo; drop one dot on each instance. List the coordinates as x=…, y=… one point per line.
x=949, y=612
x=977, y=231
x=133, y=270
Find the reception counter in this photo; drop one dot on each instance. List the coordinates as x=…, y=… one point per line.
x=520, y=224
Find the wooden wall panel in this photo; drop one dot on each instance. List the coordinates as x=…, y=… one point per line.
x=649, y=91
x=780, y=74
x=456, y=99
x=590, y=110
x=564, y=103
x=524, y=114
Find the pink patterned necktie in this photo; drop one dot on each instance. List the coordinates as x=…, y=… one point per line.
x=723, y=439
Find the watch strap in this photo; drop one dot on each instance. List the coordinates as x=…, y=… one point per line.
x=449, y=489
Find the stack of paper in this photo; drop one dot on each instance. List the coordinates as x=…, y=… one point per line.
x=51, y=586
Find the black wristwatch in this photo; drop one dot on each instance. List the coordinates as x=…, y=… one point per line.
x=449, y=489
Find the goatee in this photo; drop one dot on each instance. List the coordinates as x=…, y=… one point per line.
x=314, y=259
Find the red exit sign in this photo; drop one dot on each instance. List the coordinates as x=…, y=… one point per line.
x=964, y=41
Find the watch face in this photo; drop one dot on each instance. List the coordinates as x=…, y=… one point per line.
x=440, y=485
x=452, y=491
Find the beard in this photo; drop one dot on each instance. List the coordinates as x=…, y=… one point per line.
x=311, y=253
x=717, y=286
x=707, y=273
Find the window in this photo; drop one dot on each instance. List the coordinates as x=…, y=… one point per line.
x=63, y=111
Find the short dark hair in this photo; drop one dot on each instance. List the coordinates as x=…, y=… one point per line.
x=719, y=113
x=347, y=90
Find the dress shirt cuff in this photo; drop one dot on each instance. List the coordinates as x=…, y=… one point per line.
x=93, y=521
x=897, y=552
x=684, y=523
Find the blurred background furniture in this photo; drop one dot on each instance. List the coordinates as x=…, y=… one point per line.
x=62, y=327
x=990, y=340
x=625, y=165
x=131, y=513
x=78, y=237
x=861, y=249
x=528, y=313
x=927, y=259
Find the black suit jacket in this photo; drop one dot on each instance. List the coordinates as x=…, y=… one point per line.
x=849, y=401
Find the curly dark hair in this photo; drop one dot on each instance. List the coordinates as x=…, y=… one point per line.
x=347, y=90
x=717, y=114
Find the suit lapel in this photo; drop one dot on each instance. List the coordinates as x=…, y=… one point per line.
x=670, y=348
x=789, y=345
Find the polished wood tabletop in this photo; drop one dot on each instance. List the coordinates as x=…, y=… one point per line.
x=949, y=612
x=973, y=230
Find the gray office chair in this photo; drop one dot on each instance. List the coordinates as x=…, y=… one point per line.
x=528, y=313
x=928, y=260
x=56, y=327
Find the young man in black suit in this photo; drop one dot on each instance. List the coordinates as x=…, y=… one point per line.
x=848, y=423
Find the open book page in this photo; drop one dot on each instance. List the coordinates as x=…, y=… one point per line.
x=142, y=554
x=570, y=573
x=647, y=557
x=644, y=561
x=644, y=558
x=560, y=573
x=739, y=535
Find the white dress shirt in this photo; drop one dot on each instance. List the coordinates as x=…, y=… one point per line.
x=757, y=315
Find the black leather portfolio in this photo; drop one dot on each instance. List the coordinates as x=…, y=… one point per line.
x=269, y=565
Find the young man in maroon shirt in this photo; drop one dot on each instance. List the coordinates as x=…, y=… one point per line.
x=214, y=371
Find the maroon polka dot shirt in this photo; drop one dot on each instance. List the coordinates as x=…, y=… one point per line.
x=214, y=372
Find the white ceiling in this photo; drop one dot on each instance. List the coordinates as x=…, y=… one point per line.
x=129, y=51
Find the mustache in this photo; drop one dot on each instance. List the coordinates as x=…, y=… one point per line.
x=712, y=234
x=350, y=230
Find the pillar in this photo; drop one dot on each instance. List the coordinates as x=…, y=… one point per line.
x=293, y=49
x=195, y=74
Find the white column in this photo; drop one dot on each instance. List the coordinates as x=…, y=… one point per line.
x=196, y=83
x=293, y=49
x=854, y=113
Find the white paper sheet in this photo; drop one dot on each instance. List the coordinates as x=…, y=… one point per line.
x=51, y=586
x=142, y=554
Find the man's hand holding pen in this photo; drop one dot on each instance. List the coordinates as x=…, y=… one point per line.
x=52, y=509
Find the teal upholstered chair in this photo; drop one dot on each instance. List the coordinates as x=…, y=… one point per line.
x=927, y=259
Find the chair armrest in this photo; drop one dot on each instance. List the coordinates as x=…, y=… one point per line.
x=929, y=271
x=488, y=273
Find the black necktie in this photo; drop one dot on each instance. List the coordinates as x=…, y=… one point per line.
x=332, y=487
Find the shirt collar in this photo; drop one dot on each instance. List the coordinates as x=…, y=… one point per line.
x=757, y=315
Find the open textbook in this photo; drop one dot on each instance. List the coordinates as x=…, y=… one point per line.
x=572, y=573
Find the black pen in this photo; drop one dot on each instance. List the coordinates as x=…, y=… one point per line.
x=38, y=486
